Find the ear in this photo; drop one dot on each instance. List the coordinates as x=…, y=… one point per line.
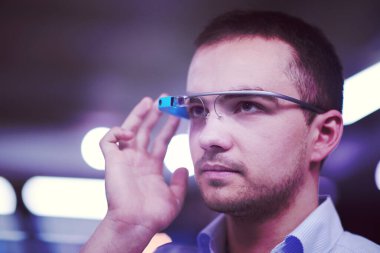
x=327, y=130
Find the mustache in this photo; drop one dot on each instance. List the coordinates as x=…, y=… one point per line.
x=220, y=159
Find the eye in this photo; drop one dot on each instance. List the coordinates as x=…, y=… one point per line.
x=247, y=107
x=196, y=112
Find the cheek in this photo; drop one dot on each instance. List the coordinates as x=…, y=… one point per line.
x=270, y=150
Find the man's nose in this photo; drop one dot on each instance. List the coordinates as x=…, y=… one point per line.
x=215, y=133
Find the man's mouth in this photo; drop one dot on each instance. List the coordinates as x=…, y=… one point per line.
x=217, y=168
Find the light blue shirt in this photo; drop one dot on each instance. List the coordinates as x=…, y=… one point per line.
x=320, y=232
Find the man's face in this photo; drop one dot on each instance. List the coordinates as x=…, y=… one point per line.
x=256, y=165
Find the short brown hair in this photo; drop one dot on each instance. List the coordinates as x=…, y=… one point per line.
x=316, y=68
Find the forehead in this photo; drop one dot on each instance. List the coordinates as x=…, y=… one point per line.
x=248, y=63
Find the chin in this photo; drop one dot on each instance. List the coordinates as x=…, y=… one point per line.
x=220, y=197
x=243, y=202
x=251, y=209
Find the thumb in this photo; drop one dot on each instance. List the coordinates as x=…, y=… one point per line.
x=178, y=185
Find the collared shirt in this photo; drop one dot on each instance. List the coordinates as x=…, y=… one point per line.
x=321, y=231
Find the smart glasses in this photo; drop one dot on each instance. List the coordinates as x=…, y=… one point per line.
x=243, y=103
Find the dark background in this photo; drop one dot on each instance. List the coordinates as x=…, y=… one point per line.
x=69, y=66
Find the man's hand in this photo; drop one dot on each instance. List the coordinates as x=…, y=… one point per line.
x=140, y=203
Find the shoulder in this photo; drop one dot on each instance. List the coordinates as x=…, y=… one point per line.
x=352, y=243
x=176, y=248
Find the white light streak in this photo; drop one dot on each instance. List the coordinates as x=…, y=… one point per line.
x=361, y=94
x=65, y=197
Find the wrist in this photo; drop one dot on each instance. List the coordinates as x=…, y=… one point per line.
x=116, y=235
x=121, y=225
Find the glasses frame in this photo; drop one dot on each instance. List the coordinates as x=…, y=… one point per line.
x=175, y=105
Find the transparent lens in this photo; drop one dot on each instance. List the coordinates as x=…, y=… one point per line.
x=241, y=105
x=196, y=108
x=237, y=104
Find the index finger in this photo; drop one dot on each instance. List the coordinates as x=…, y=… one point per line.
x=137, y=115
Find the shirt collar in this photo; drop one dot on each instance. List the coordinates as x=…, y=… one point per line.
x=212, y=239
x=317, y=233
x=321, y=229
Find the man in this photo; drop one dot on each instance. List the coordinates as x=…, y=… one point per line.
x=264, y=103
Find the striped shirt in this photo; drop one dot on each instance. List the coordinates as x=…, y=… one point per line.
x=320, y=232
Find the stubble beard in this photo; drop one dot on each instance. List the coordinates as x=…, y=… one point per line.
x=258, y=201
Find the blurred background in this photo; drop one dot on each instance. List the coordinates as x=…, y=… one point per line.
x=67, y=67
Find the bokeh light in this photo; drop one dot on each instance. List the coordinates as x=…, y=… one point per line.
x=361, y=93
x=65, y=197
x=157, y=240
x=377, y=175
x=8, y=201
x=178, y=154
x=90, y=149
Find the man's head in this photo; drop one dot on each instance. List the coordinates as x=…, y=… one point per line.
x=264, y=153
x=315, y=67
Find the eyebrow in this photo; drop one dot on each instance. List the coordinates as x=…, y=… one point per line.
x=237, y=89
x=233, y=88
x=275, y=100
x=246, y=87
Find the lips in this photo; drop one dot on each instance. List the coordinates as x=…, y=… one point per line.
x=209, y=167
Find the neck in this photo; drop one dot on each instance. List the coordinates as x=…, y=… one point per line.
x=245, y=234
